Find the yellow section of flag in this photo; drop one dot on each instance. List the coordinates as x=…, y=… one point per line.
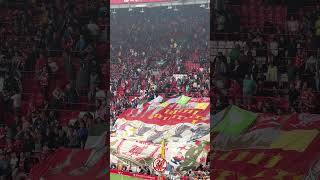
x=260, y=174
x=223, y=175
x=257, y=158
x=165, y=104
x=280, y=175
x=297, y=140
x=241, y=156
x=273, y=161
x=202, y=105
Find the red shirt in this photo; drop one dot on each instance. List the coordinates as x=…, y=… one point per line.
x=40, y=63
x=304, y=97
x=298, y=61
x=235, y=90
x=21, y=164
x=44, y=80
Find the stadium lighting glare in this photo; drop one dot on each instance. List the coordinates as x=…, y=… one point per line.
x=208, y=7
x=141, y=5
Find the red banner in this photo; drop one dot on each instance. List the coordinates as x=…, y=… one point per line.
x=167, y=116
x=69, y=164
x=42, y=168
x=136, y=175
x=113, y=2
x=267, y=121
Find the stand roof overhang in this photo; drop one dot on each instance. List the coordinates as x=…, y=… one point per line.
x=152, y=3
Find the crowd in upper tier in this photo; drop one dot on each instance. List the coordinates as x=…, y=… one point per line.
x=158, y=52
x=266, y=56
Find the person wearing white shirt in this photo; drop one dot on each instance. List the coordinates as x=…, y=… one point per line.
x=195, y=85
x=16, y=98
x=311, y=63
x=273, y=46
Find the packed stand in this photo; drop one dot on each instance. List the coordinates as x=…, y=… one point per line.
x=270, y=61
x=158, y=52
x=51, y=58
x=202, y=172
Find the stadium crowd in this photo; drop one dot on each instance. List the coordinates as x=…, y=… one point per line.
x=202, y=172
x=51, y=54
x=158, y=52
x=266, y=56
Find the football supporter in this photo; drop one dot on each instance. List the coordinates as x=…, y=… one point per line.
x=44, y=49
x=277, y=54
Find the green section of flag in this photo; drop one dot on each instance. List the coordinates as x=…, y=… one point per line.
x=122, y=177
x=235, y=121
x=98, y=129
x=191, y=157
x=183, y=100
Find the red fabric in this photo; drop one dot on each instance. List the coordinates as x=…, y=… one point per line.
x=266, y=121
x=301, y=160
x=40, y=63
x=235, y=90
x=167, y=116
x=302, y=121
x=42, y=168
x=78, y=159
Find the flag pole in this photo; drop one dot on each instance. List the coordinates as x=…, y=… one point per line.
x=162, y=156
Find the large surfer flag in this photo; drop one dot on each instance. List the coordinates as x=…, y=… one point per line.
x=182, y=121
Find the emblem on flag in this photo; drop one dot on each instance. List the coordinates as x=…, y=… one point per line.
x=159, y=164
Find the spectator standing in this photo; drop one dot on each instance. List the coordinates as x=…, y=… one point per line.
x=83, y=135
x=249, y=87
x=293, y=25
x=272, y=74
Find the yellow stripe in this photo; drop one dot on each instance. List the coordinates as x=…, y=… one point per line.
x=257, y=158
x=273, y=161
x=223, y=175
x=241, y=156
x=298, y=177
x=224, y=156
x=243, y=177
x=260, y=174
x=281, y=174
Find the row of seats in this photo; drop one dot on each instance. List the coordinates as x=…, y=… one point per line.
x=257, y=15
